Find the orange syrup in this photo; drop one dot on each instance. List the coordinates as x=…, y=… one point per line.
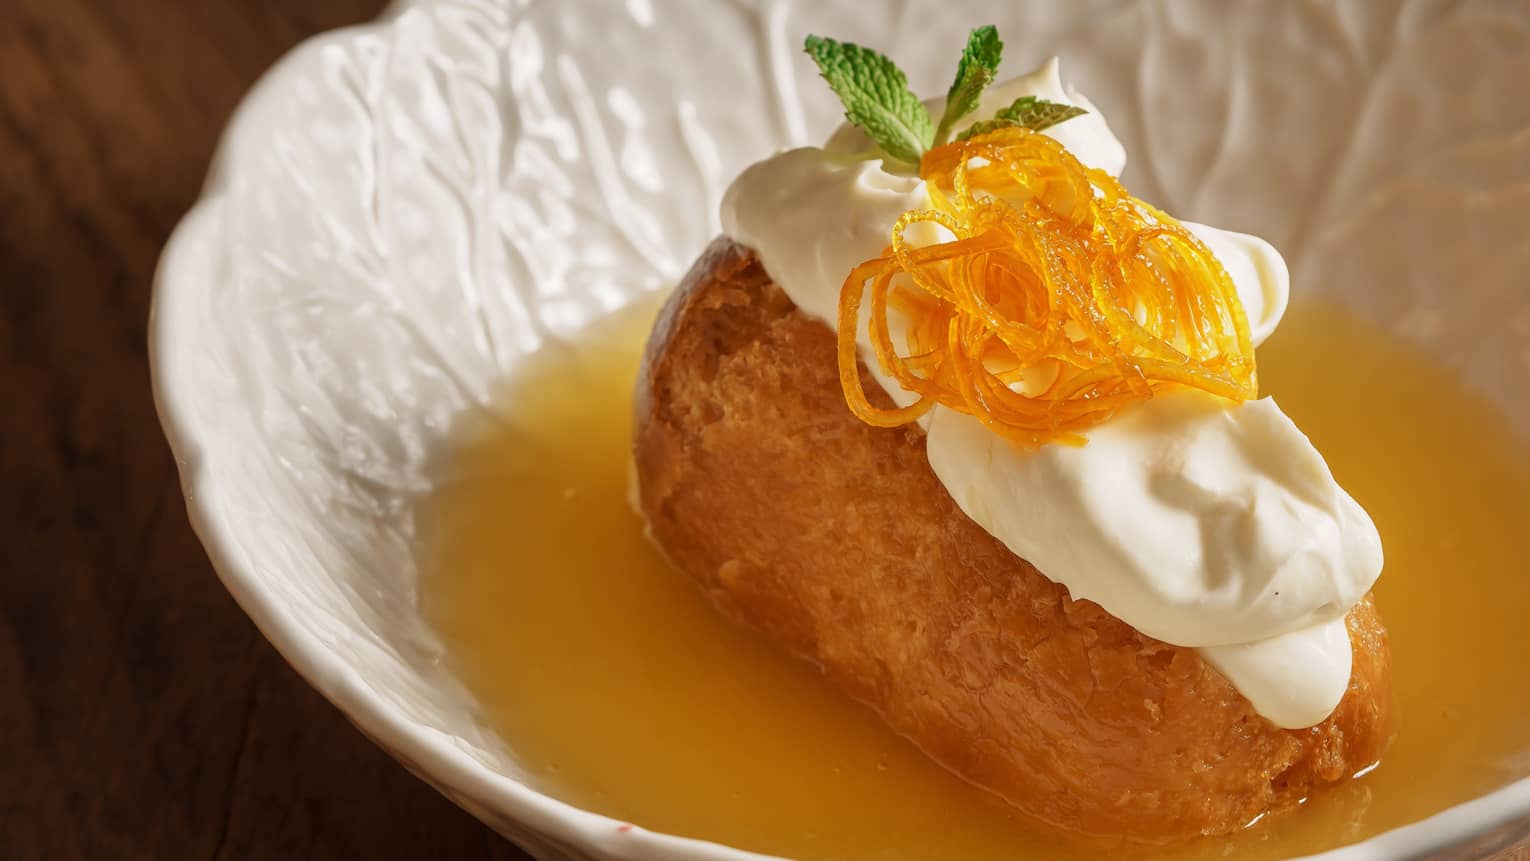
x=619, y=690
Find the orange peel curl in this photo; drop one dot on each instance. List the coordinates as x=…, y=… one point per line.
x=1039, y=296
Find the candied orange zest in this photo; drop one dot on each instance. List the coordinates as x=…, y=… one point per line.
x=1040, y=297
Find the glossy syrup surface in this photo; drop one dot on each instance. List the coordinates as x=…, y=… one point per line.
x=619, y=690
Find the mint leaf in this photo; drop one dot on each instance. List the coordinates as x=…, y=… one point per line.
x=1037, y=114
x=876, y=97
x=1028, y=111
x=978, y=66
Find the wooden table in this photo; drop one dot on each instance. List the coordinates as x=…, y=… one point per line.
x=141, y=714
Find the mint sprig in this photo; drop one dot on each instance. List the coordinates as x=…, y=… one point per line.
x=877, y=99
x=977, y=69
x=1030, y=112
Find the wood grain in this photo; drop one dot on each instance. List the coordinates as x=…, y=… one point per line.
x=141, y=714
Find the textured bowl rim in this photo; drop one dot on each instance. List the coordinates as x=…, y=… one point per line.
x=428, y=752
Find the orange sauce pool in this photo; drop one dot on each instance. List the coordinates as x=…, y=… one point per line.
x=618, y=689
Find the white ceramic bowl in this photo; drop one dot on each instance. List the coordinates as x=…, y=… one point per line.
x=389, y=227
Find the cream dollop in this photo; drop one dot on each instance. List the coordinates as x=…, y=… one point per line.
x=1199, y=523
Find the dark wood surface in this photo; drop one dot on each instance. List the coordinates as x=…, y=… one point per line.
x=141, y=714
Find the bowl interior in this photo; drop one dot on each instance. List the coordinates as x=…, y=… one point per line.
x=401, y=212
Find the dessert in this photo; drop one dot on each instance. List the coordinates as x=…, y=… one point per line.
x=976, y=431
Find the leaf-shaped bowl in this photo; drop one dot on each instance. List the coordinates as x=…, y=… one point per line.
x=400, y=212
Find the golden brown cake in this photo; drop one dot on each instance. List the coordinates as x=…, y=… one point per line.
x=837, y=541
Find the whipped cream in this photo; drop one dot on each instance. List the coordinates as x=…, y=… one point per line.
x=1199, y=522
